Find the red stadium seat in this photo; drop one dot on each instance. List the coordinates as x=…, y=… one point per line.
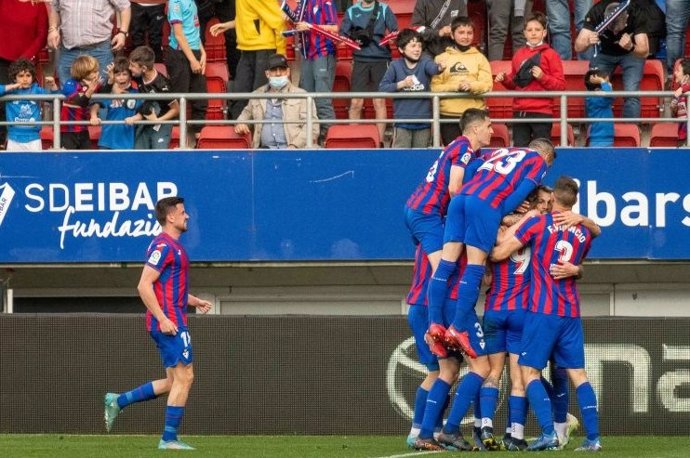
x=652, y=80
x=403, y=12
x=216, y=82
x=574, y=73
x=477, y=12
x=175, y=138
x=353, y=136
x=343, y=73
x=222, y=137
x=500, y=107
x=46, y=137
x=664, y=134
x=161, y=68
x=214, y=46
x=501, y=137
x=626, y=134
x=556, y=135
x=94, y=135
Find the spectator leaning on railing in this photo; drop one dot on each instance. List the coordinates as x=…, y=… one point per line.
x=466, y=71
x=78, y=27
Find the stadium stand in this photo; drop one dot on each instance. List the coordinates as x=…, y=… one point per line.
x=556, y=135
x=353, y=136
x=626, y=134
x=652, y=80
x=501, y=137
x=500, y=107
x=216, y=83
x=664, y=134
x=215, y=46
x=222, y=137
x=574, y=72
x=343, y=73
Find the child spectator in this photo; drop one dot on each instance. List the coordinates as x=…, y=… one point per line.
x=21, y=135
x=466, y=70
x=78, y=91
x=679, y=104
x=148, y=17
x=411, y=73
x=535, y=68
x=600, y=132
x=149, y=81
x=117, y=136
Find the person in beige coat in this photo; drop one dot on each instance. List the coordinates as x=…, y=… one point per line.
x=290, y=127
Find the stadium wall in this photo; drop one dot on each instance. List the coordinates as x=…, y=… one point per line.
x=301, y=375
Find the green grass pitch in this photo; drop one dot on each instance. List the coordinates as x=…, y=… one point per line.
x=69, y=446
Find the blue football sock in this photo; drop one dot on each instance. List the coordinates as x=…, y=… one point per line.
x=477, y=408
x=435, y=403
x=541, y=404
x=517, y=406
x=488, y=398
x=173, y=418
x=468, y=293
x=438, y=290
x=138, y=394
x=548, y=387
x=439, y=422
x=464, y=395
x=588, y=408
x=419, y=406
x=560, y=398
x=509, y=413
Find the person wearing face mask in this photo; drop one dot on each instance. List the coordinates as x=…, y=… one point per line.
x=289, y=129
x=535, y=68
x=466, y=70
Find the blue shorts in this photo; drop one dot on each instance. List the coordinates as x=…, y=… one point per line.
x=471, y=323
x=418, y=320
x=503, y=330
x=544, y=336
x=425, y=229
x=174, y=349
x=473, y=222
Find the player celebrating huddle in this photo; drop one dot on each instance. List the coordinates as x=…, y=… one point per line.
x=552, y=323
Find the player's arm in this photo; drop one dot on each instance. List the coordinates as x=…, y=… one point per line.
x=569, y=219
x=504, y=249
x=564, y=269
x=145, y=287
x=201, y=305
x=455, y=181
x=511, y=230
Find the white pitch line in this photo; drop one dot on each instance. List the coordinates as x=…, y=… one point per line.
x=413, y=454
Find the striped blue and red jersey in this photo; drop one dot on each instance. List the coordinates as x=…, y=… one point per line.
x=169, y=258
x=503, y=172
x=319, y=12
x=550, y=244
x=432, y=195
x=421, y=275
x=509, y=288
x=75, y=107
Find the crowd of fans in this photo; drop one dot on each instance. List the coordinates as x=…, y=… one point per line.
x=112, y=46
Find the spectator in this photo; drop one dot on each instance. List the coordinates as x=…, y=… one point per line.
x=225, y=11
x=186, y=59
x=535, y=68
x=466, y=70
x=600, y=132
x=117, y=136
x=411, y=73
x=367, y=22
x=506, y=16
x=436, y=19
x=317, y=71
x=259, y=27
x=78, y=90
x=679, y=104
x=148, y=17
x=78, y=28
x=149, y=81
x=28, y=21
x=624, y=42
x=22, y=135
x=289, y=129
x=558, y=14
x=677, y=20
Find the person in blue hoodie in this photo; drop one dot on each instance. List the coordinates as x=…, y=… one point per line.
x=411, y=73
x=23, y=135
x=600, y=132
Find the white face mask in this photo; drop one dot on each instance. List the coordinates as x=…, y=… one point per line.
x=278, y=82
x=535, y=44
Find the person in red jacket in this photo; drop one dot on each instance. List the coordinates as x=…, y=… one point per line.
x=536, y=67
x=23, y=34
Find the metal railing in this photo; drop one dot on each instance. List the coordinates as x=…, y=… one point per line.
x=435, y=121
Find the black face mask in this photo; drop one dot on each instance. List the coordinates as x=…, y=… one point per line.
x=462, y=48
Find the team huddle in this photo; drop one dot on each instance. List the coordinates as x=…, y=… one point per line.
x=486, y=218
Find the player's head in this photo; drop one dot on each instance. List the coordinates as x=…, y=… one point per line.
x=593, y=78
x=410, y=44
x=545, y=148
x=84, y=68
x=475, y=124
x=22, y=71
x=565, y=192
x=542, y=200
x=170, y=212
x=141, y=60
x=462, y=30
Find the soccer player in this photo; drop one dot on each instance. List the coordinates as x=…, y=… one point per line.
x=163, y=287
x=501, y=183
x=552, y=323
x=427, y=206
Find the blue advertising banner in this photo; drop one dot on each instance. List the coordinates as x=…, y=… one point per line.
x=323, y=205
